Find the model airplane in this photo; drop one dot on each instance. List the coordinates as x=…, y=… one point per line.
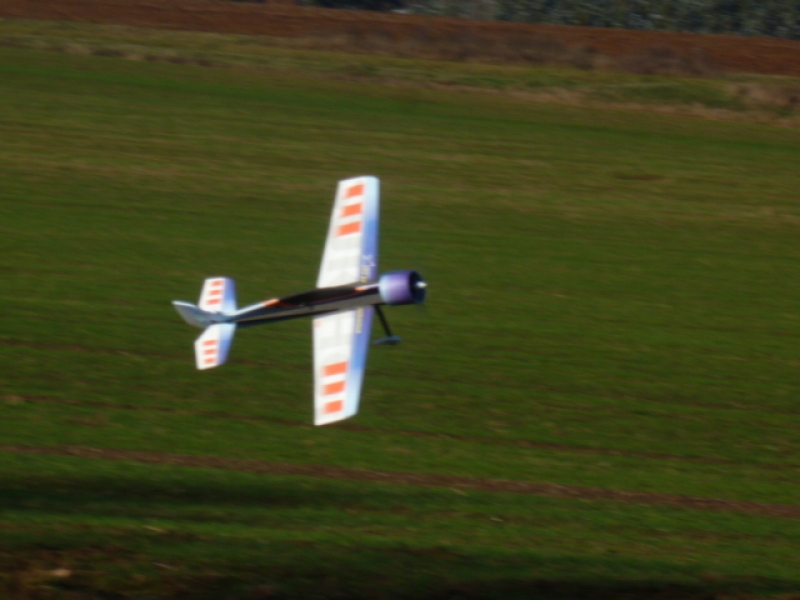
x=348, y=292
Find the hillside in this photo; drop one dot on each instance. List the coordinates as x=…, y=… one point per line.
x=727, y=53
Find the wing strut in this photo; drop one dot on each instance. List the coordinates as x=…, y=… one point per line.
x=389, y=340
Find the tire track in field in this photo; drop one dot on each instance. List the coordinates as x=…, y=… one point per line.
x=536, y=488
x=516, y=443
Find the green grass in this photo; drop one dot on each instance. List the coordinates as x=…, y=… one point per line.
x=613, y=303
x=146, y=530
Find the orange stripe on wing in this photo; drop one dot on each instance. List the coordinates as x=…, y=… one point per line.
x=210, y=343
x=352, y=209
x=354, y=190
x=333, y=407
x=333, y=388
x=334, y=369
x=349, y=228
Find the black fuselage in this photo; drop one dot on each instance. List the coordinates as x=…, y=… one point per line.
x=312, y=302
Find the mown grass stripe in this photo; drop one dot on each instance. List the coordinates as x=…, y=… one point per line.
x=419, y=479
x=356, y=427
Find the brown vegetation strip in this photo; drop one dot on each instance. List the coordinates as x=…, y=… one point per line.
x=551, y=490
x=730, y=53
x=13, y=399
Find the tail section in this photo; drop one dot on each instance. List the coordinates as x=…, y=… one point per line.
x=211, y=349
x=192, y=315
x=217, y=301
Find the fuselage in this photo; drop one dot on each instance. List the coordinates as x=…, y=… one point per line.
x=304, y=304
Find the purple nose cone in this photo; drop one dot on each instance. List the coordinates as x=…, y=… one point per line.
x=402, y=287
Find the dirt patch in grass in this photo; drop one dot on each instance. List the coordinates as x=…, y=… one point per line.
x=456, y=482
x=460, y=39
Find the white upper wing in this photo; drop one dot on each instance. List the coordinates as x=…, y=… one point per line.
x=351, y=249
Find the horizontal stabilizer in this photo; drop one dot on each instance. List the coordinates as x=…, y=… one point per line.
x=218, y=295
x=211, y=349
x=192, y=314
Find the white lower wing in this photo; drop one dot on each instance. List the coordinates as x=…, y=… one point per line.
x=341, y=341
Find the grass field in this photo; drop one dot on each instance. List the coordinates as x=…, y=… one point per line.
x=536, y=71
x=613, y=310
